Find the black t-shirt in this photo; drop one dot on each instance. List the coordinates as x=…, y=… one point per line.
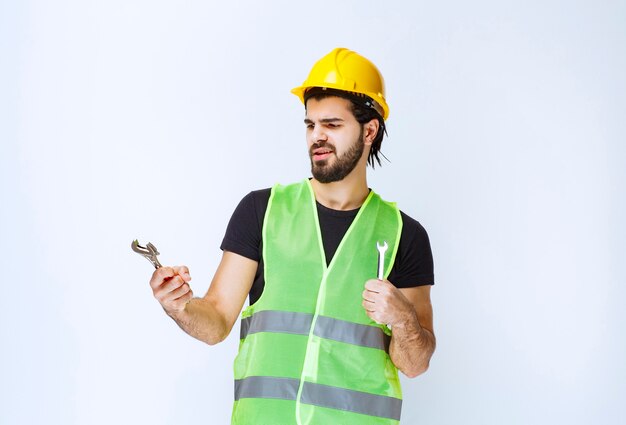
x=413, y=265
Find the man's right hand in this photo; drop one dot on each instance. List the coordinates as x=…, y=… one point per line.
x=170, y=286
x=209, y=318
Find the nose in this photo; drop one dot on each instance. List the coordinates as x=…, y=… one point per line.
x=318, y=134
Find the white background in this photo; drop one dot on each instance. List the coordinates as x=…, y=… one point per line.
x=151, y=119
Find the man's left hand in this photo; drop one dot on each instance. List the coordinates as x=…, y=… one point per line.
x=386, y=304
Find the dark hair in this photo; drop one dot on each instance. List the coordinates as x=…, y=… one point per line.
x=363, y=112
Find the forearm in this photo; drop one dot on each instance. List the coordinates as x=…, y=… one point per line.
x=202, y=320
x=411, y=346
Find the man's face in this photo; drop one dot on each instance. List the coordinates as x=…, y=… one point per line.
x=334, y=138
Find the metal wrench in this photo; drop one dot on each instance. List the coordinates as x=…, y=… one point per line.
x=149, y=252
x=382, y=248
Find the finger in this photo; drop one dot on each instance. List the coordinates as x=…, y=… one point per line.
x=374, y=285
x=185, y=297
x=179, y=292
x=368, y=305
x=174, y=283
x=179, y=303
x=383, y=287
x=183, y=271
x=369, y=295
x=160, y=275
x=375, y=315
x=161, y=292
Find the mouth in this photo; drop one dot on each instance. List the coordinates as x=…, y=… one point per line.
x=321, y=154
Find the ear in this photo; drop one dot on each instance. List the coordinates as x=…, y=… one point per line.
x=370, y=130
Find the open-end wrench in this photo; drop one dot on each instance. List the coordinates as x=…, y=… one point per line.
x=149, y=252
x=382, y=248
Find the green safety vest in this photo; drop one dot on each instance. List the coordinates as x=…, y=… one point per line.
x=309, y=354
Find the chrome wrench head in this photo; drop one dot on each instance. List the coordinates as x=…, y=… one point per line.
x=149, y=252
x=382, y=248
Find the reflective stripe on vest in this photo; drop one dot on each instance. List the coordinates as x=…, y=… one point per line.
x=319, y=395
x=325, y=327
x=309, y=354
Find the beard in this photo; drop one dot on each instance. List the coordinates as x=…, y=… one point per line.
x=324, y=172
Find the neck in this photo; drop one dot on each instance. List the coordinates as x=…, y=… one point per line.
x=347, y=194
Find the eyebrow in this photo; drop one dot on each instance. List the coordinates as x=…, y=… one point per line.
x=323, y=120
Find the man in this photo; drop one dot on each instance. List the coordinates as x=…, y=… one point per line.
x=322, y=339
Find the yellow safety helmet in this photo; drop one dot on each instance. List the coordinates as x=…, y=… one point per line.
x=345, y=70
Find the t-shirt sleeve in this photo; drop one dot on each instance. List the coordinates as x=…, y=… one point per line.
x=414, y=260
x=243, y=233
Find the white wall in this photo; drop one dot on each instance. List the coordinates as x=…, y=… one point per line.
x=151, y=119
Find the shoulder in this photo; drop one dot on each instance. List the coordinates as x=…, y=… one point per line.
x=254, y=205
x=243, y=234
x=413, y=264
x=411, y=228
x=257, y=198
